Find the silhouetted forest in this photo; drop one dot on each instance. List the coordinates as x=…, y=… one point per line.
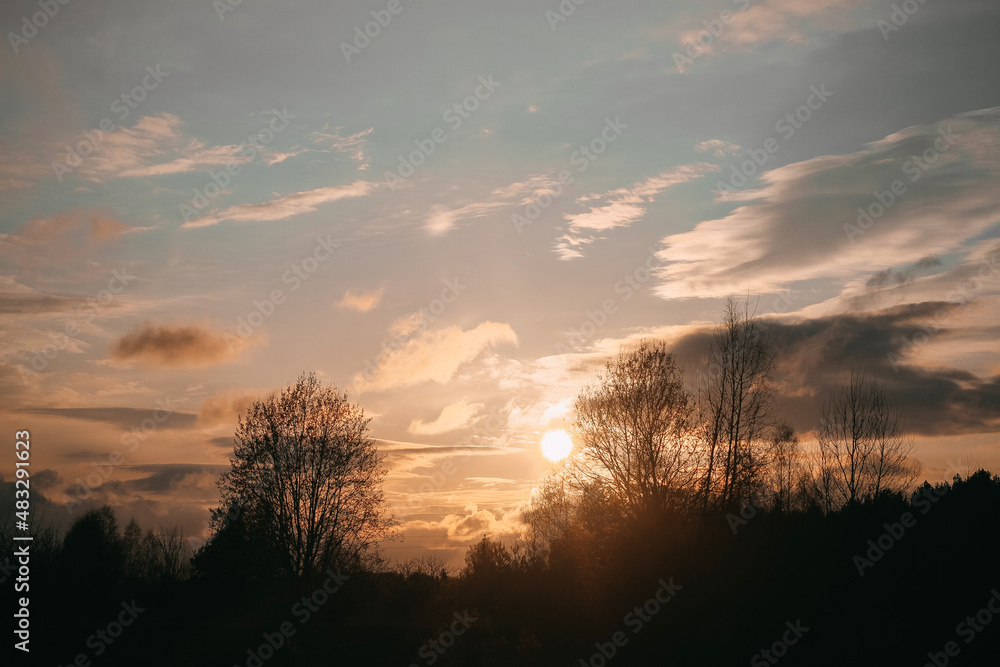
x=733, y=593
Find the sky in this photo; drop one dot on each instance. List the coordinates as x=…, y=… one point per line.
x=457, y=211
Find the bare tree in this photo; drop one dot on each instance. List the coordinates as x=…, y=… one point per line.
x=862, y=442
x=784, y=465
x=308, y=479
x=633, y=425
x=736, y=407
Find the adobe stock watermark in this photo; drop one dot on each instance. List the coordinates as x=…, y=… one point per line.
x=223, y=7
x=914, y=168
x=294, y=277
x=786, y=126
x=303, y=610
x=714, y=29
x=625, y=289
x=432, y=650
x=894, y=532
x=103, y=638
x=968, y=630
x=37, y=21
x=581, y=159
x=122, y=107
x=422, y=318
x=381, y=18
x=85, y=312
x=84, y=488
x=901, y=13
x=455, y=116
x=636, y=620
x=960, y=296
x=782, y=303
x=491, y=426
x=565, y=9
x=779, y=649
x=219, y=180
x=747, y=511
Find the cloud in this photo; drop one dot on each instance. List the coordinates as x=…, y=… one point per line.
x=224, y=408
x=442, y=219
x=169, y=477
x=803, y=223
x=129, y=151
x=123, y=418
x=453, y=417
x=433, y=356
x=284, y=207
x=717, y=147
x=767, y=21
x=815, y=354
x=20, y=167
x=621, y=207
x=18, y=299
x=63, y=236
x=474, y=523
x=354, y=144
x=156, y=146
x=46, y=479
x=174, y=346
x=362, y=302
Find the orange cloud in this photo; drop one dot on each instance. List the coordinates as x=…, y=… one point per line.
x=433, y=356
x=455, y=416
x=223, y=409
x=362, y=301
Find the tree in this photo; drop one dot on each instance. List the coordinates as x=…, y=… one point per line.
x=784, y=458
x=633, y=425
x=93, y=544
x=862, y=442
x=306, y=481
x=736, y=406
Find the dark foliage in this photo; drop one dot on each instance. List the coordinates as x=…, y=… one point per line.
x=737, y=593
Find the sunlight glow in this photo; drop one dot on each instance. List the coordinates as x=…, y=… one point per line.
x=556, y=445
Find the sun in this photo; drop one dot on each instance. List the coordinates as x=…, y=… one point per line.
x=556, y=445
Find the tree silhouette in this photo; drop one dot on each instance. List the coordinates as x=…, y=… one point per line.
x=306, y=480
x=94, y=545
x=736, y=406
x=633, y=425
x=784, y=465
x=862, y=442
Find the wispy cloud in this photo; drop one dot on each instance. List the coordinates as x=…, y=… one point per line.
x=621, y=207
x=717, y=147
x=434, y=356
x=442, y=219
x=284, y=207
x=453, y=417
x=353, y=145
x=755, y=23
x=157, y=146
x=63, y=236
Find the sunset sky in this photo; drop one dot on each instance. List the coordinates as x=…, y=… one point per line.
x=458, y=219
